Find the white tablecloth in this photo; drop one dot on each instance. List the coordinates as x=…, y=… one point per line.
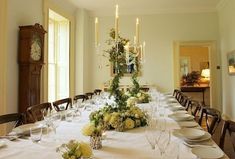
x=130, y=144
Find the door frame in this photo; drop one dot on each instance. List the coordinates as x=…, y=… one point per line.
x=3, y=61
x=215, y=74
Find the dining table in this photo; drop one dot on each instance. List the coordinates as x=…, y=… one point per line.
x=130, y=144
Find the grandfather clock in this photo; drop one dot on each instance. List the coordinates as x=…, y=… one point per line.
x=31, y=60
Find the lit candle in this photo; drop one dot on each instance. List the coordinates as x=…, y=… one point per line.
x=127, y=52
x=141, y=52
x=116, y=23
x=96, y=32
x=144, y=50
x=137, y=30
x=134, y=40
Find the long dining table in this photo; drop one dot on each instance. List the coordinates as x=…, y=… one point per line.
x=130, y=144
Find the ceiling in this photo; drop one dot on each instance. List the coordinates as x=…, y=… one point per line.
x=140, y=7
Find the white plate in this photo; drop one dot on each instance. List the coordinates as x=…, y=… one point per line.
x=207, y=152
x=205, y=137
x=191, y=133
x=180, y=112
x=2, y=144
x=25, y=129
x=188, y=124
x=181, y=117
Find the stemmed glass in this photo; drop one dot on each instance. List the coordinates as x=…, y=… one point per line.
x=56, y=119
x=46, y=113
x=164, y=141
x=164, y=136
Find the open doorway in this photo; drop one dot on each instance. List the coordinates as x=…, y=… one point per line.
x=183, y=65
x=195, y=72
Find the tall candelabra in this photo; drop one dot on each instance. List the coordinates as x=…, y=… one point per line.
x=133, y=51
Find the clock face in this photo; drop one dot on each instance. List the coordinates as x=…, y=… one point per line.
x=36, y=50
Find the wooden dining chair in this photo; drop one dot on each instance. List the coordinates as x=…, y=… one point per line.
x=81, y=97
x=145, y=89
x=212, y=118
x=89, y=95
x=35, y=112
x=62, y=104
x=194, y=108
x=18, y=118
x=97, y=91
x=175, y=92
x=230, y=127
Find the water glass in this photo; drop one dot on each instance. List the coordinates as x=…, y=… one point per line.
x=69, y=116
x=36, y=134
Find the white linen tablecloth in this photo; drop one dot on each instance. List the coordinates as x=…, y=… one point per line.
x=130, y=144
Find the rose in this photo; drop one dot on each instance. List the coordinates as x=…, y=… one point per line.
x=85, y=149
x=129, y=123
x=88, y=129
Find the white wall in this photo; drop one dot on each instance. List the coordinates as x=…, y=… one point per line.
x=82, y=63
x=23, y=12
x=159, y=31
x=227, y=38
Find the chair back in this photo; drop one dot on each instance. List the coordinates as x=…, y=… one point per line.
x=194, y=107
x=62, y=104
x=230, y=127
x=213, y=118
x=89, y=95
x=145, y=89
x=81, y=97
x=97, y=91
x=18, y=118
x=35, y=112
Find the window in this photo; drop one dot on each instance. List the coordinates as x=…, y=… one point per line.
x=58, y=57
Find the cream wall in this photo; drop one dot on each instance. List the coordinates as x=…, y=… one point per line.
x=227, y=40
x=159, y=32
x=82, y=63
x=23, y=12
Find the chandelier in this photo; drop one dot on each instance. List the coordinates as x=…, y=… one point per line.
x=133, y=51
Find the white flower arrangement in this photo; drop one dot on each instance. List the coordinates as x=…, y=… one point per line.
x=75, y=150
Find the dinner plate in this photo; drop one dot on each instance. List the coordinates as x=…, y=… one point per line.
x=175, y=108
x=25, y=129
x=191, y=133
x=180, y=112
x=207, y=152
x=205, y=137
x=181, y=117
x=188, y=124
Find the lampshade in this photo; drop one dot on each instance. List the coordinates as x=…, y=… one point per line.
x=206, y=73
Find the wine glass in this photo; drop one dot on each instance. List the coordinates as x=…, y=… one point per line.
x=56, y=119
x=46, y=113
x=150, y=136
x=164, y=141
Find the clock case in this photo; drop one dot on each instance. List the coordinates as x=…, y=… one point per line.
x=29, y=69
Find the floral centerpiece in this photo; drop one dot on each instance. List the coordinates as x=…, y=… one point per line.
x=95, y=132
x=112, y=117
x=75, y=150
x=123, y=114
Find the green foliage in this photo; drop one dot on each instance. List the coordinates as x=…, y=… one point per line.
x=118, y=59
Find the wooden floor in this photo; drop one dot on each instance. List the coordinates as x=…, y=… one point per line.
x=228, y=148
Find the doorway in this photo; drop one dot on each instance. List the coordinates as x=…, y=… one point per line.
x=184, y=64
